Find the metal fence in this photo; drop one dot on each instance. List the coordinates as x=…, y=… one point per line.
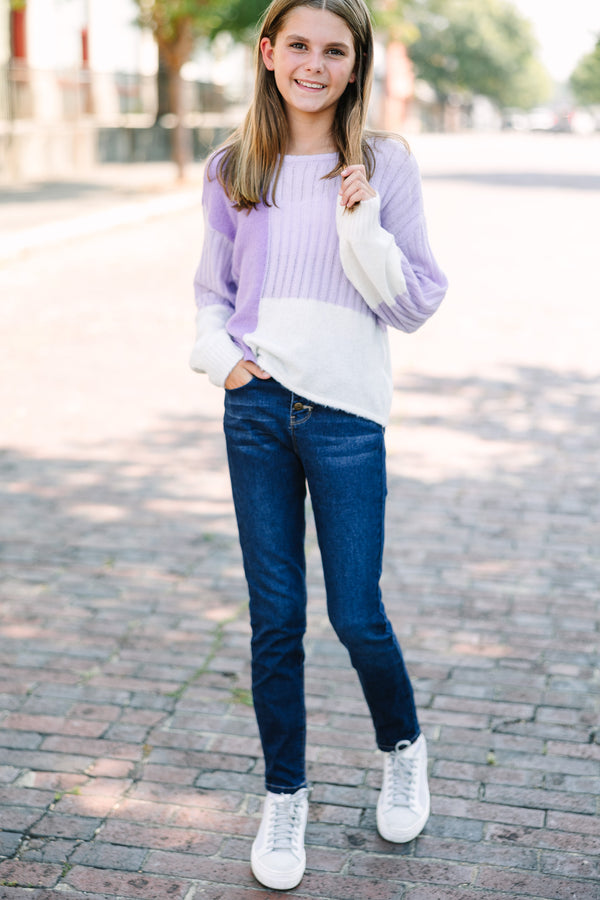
x=58, y=121
x=71, y=94
x=68, y=95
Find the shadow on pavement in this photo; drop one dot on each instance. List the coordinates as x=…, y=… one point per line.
x=51, y=191
x=562, y=180
x=511, y=485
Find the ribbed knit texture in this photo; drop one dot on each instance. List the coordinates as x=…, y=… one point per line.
x=304, y=253
x=306, y=289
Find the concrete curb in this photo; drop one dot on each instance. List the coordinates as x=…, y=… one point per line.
x=42, y=236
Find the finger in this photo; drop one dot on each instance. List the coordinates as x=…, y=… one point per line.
x=349, y=187
x=354, y=177
x=355, y=168
x=354, y=199
x=355, y=187
x=254, y=369
x=238, y=380
x=355, y=182
x=356, y=194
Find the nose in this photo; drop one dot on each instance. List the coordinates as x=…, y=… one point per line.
x=314, y=63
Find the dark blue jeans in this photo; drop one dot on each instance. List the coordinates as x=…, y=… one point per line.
x=277, y=443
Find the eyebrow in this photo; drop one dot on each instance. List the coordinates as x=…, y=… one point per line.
x=303, y=40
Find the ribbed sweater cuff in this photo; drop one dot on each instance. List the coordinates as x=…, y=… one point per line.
x=361, y=223
x=217, y=357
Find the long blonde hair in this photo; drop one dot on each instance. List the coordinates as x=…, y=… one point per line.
x=251, y=160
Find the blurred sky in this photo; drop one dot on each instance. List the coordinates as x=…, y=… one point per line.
x=565, y=29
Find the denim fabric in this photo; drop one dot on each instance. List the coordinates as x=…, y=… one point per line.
x=277, y=443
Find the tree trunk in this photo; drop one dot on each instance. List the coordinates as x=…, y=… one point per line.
x=163, y=105
x=175, y=50
x=180, y=141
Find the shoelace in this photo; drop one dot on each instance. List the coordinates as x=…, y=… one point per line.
x=284, y=823
x=402, y=782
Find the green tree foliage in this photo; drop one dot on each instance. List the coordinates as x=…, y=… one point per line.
x=585, y=80
x=239, y=17
x=477, y=47
x=531, y=86
x=393, y=20
x=176, y=24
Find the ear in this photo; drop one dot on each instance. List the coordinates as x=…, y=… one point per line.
x=266, y=51
x=352, y=78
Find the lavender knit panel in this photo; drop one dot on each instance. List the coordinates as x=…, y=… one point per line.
x=398, y=176
x=248, y=267
x=234, y=258
x=304, y=259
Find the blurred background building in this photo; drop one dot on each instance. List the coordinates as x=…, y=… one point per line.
x=80, y=83
x=87, y=81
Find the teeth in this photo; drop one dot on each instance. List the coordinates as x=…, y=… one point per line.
x=310, y=84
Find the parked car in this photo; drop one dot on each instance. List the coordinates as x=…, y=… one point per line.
x=585, y=121
x=542, y=119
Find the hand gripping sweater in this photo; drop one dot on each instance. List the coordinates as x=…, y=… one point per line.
x=307, y=289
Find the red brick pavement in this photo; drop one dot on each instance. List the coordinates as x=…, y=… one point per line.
x=129, y=757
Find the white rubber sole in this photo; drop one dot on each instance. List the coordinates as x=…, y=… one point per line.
x=402, y=835
x=277, y=881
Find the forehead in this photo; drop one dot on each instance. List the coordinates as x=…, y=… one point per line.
x=316, y=24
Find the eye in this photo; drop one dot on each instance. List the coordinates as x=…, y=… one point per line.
x=298, y=45
x=335, y=51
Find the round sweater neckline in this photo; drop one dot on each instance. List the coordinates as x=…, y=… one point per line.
x=311, y=155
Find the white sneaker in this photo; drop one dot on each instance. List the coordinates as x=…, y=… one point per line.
x=278, y=859
x=403, y=805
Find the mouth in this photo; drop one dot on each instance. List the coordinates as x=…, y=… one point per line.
x=310, y=85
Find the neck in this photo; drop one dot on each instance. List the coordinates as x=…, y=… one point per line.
x=307, y=137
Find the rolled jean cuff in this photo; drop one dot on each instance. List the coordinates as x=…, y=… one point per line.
x=388, y=749
x=277, y=789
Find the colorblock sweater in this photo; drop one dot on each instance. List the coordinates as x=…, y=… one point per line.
x=307, y=289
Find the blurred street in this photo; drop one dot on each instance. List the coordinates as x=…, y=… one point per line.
x=129, y=757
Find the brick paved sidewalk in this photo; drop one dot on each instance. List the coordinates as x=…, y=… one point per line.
x=129, y=758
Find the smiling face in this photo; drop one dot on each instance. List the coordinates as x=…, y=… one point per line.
x=312, y=59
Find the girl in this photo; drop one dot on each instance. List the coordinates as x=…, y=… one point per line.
x=315, y=242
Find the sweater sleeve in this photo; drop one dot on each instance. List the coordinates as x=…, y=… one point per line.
x=385, y=252
x=214, y=351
